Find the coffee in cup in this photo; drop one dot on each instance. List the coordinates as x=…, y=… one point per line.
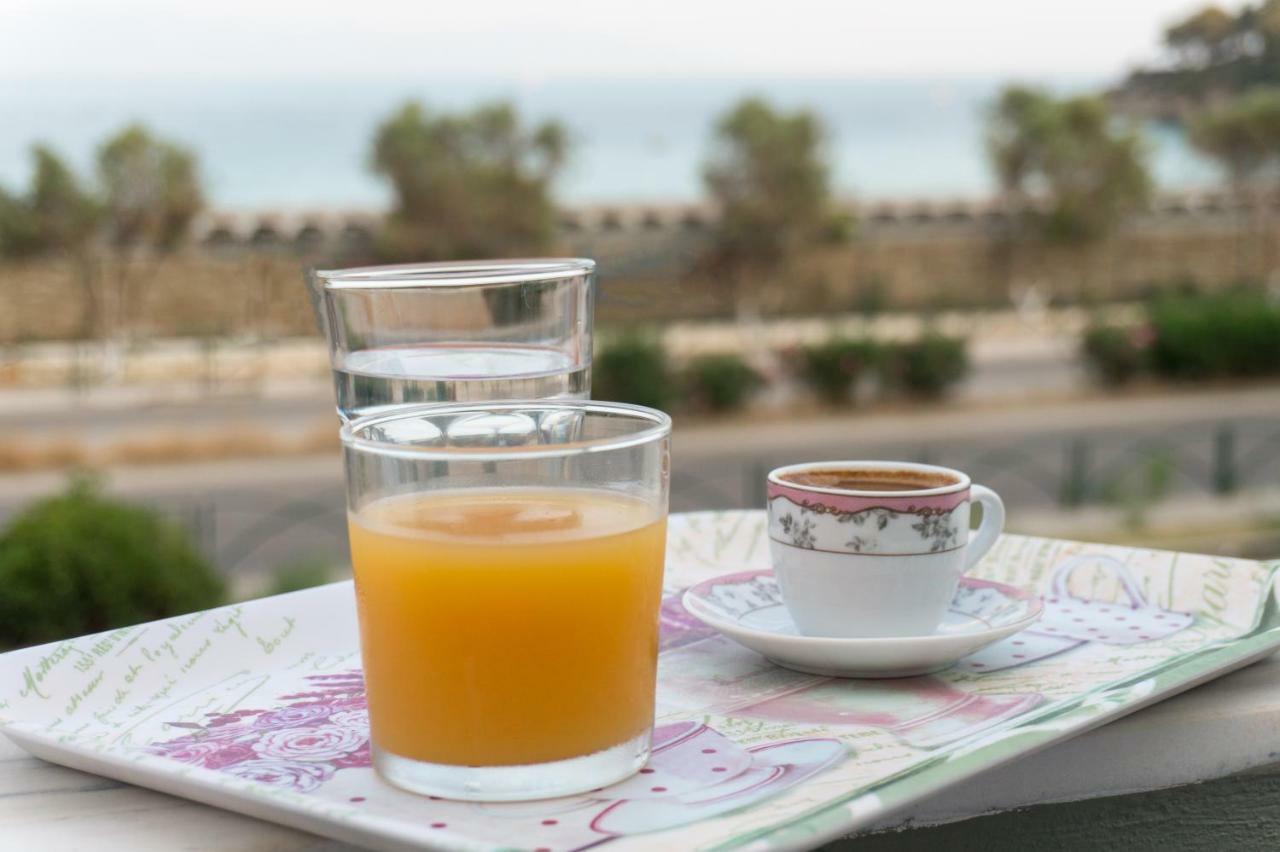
x=874, y=549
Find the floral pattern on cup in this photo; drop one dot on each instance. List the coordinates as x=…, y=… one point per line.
x=874, y=562
x=904, y=528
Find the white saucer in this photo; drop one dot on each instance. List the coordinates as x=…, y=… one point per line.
x=747, y=607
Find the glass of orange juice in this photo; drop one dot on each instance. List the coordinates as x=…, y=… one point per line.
x=508, y=565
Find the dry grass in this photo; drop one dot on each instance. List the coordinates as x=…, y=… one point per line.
x=17, y=456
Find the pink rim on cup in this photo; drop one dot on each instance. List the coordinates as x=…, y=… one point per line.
x=858, y=562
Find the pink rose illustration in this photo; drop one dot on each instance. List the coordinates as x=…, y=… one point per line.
x=210, y=754
x=292, y=717
x=302, y=777
x=325, y=742
x=358, y=759
x=188, y=752
x=297, y=746
x=224, y=734
x=358, y=719
x=229, y=755
x=217, y=720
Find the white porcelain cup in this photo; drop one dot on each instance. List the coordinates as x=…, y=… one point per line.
x=860, y=562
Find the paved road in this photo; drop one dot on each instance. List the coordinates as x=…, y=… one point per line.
x=1002, y=370
x=253, y=515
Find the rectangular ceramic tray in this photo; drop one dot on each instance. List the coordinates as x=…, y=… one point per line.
x=259, y=707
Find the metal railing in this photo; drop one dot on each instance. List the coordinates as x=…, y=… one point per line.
x=248, y=531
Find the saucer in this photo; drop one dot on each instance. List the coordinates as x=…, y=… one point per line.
x=747, y=607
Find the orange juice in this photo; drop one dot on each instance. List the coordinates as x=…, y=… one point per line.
x=508, y=627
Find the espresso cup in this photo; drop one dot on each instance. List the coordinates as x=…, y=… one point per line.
x=874, y=548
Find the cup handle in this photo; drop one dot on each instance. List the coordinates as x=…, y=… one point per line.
x=992, y=524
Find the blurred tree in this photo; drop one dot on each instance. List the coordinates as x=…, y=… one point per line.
x=1073, y=174
x=1204, y=37
x=1068, y=173
x=56, y=216
x=16, y=233
x=1243, y=135
x=1213, y=53
x=146, y=196
x=150, y=190
x=148, y=193
x=769, y=177
x=475, y=184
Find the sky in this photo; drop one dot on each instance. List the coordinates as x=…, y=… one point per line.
x=279, y=98
x=526, y=40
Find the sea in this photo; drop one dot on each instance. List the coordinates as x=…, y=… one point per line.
x=303, y=143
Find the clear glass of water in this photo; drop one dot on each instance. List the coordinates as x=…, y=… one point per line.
x=465, y=331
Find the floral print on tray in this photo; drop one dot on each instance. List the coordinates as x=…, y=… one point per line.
x=694, y=771
x=298, y=746
x=748, y=755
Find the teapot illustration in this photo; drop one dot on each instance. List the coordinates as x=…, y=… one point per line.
x=1069, y=621
x=694, y=773
x=922, y=712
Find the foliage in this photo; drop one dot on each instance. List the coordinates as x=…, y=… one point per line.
x=872, y=296
x=1242, y=134
x=1189, y=335
x=1203, y=38
x=769, y=177
x=1075, y=174
x=300, y=574
x=1233, y=334
x=80, y=562
x=1214, y=51
x=56, y=215
x=475, y=184
x=150, y=189
x=721, y=382
x=147, y=194
x=927, y=367
x=1136, y=486
x=833, y=368
x=1113, y=354
x=632, y=369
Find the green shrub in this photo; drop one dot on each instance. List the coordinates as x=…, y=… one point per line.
x=1113, y=354
x=300, y=574
x=1181, y=285
x=928, y=367
x=632, y=369
x=832, y=369
x=872, y=296
x=1233, y=334
x=1136, y=486
x=721, y=382
x=80, y=563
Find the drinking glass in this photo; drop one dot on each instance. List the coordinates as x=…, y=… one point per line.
x=508, y=563
x=456, y=332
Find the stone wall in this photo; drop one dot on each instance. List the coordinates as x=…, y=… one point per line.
x=243, y=274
